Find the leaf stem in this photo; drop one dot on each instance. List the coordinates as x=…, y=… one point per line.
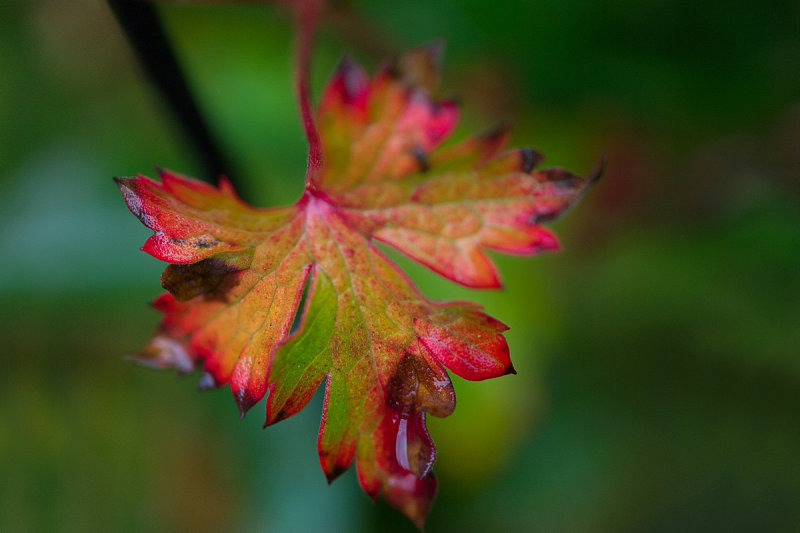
x=307, y=13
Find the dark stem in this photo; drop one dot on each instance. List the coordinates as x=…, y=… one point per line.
x=146, y=34
x=307, y=14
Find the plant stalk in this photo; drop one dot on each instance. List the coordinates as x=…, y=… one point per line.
x=144, y=31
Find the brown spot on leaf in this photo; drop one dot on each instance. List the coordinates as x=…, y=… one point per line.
x=211, y=277
x=416, y=387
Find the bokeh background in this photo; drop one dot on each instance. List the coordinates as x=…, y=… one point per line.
x=658, y=354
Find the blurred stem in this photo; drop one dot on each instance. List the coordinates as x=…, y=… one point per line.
x=142, y=27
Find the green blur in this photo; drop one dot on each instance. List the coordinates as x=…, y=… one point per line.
x=658, y=354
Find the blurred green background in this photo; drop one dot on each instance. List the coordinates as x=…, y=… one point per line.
x=658, y=354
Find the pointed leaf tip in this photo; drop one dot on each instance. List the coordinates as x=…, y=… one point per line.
x=123, y=183
x=350, y=70
x=432, y=53
x=206, y=382
x=420, y=67
x=349, y=82
x=274, y=419
x=244, y=402
x=334, y=474
x=530, y=159
x=162, y=353
x=598, y=171
x=498, y=132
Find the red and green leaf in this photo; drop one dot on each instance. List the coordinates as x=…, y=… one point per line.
x=238, y=274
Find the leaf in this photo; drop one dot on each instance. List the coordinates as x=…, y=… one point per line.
x=238, y=274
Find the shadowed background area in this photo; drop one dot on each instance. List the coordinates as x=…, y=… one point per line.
x=658, y=355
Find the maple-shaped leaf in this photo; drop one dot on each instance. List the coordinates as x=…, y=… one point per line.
x=238, y=274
